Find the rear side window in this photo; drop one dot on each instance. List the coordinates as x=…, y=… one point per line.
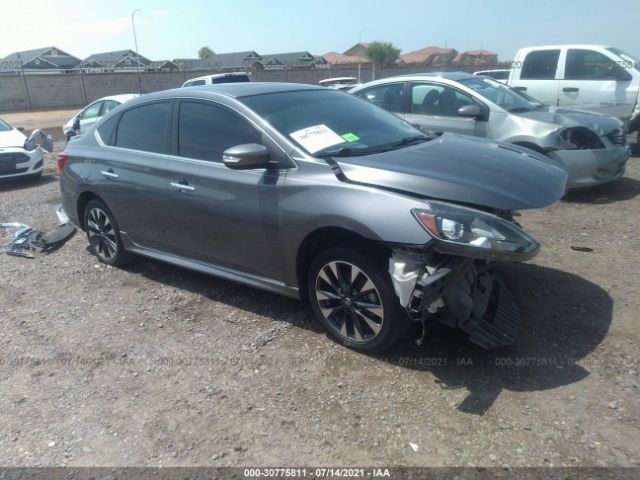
x=540, y=65
x=590, y=65
x=387, y=96
x=144, y=128
x=206, y=130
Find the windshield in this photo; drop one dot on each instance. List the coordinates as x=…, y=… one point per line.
x=501, y=95
x=4, y=126
x=628, y=61
x=329, y=122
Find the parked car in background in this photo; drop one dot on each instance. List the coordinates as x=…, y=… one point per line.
x=596, y=78
x=89, y=115
x=592, y=147
x=312, y=193
x=499, y=75
x=22, y=157
x=339, y=83
x=230, y=77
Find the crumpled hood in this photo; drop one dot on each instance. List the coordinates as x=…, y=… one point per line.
x=600, y=124
x=464, y=169
x=12, y=138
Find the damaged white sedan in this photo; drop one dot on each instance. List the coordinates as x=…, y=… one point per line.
x=22, y=156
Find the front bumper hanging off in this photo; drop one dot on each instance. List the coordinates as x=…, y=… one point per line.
x=458, y=292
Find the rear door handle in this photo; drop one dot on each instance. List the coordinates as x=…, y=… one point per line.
x=571, y=89
x=520, y=89
x=182, y=186
x=109, y=173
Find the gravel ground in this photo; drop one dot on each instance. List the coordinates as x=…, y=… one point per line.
x=155, y=365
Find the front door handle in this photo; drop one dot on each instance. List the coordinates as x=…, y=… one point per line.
x=571, y=89
x=182, y=186
x=109, y=173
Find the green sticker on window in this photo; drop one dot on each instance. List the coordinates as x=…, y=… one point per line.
x=350, y=137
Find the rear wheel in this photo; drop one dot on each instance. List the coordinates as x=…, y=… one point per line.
x=353, y=298
x=103, y=235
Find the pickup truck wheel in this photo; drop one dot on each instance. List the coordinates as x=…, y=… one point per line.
x=103, y=235
x=353, y=298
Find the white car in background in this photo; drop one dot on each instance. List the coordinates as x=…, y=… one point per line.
x=22, y=157
x=230, y=77
x=89, y=115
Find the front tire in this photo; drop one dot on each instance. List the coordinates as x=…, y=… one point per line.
x=103, y=235
x=353, y=299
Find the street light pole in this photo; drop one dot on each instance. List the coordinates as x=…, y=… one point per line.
x=135, y=41
x=359, y=42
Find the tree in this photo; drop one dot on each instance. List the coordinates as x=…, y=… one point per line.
x=204, y=53
x=383, y=54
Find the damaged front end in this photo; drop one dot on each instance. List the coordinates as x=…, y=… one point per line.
x=450, y=279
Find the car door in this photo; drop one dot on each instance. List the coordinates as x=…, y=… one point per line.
x=539, y=76
x=433, y=108
x=89, y=117
x=595, y=82
x=220, y=216
x=130, y=172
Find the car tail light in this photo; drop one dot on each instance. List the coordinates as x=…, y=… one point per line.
x=62, y=159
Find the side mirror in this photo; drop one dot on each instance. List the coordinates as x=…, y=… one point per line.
x=76, y=123
x=470, y=111
x=246, y=157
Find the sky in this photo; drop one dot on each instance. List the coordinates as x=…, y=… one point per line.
x=177, y=29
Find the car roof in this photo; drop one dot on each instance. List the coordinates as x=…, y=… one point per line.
x=219, y=75
x=233, y=90
x=121, y=98
x=448, y=75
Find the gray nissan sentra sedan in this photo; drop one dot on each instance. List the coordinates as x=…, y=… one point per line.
x=312, y=193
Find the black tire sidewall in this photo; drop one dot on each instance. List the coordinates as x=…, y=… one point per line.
x=121, y=256
x=395, y=320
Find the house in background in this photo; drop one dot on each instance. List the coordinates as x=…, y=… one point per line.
x=280, y=61
x=162, y=66
x=358, y=50
x=120, y=60
x=221, y=61
x=476, y=57
x=45, y=60
x=429, y=56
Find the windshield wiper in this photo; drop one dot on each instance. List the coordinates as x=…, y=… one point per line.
x=342, y=152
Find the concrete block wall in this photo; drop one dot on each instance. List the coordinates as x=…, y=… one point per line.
x=47, y=91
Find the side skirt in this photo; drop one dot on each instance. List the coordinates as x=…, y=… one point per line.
x=262, y=283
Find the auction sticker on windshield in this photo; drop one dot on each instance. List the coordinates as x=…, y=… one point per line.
x=316, y=138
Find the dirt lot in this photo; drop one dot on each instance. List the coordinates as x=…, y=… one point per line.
x=155, y=365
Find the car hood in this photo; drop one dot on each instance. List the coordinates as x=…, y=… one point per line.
x=600, y=124
x=12, y=138
x=464, y=169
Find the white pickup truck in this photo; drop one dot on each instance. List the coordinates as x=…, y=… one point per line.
x=595, y=78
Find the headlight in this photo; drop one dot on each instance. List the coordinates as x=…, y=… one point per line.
x=474, y=233
x=579, y=138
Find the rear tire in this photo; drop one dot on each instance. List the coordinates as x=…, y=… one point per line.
x=353, y=299
x=104, y=235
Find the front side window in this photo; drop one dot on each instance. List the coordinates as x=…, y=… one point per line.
x=92, y=111
x=4, y=126
x=387, y=96
x=327, y=122
x=144, y=128
x=206, y=130
x=590, y=65
x=540, y=65
x=438, y=100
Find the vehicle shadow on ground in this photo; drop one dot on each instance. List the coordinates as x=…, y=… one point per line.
x=624, y=188
x=564, y=318
x=13, y=185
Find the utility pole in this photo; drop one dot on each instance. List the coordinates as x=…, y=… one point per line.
x=135, y=41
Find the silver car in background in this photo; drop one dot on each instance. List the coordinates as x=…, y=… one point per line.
x=592, y=147
x=89, y=115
